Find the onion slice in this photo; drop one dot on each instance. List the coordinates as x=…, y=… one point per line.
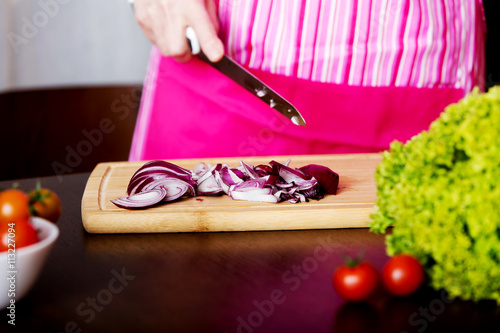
x=328, y=179
x=249, y=170
x=208, y=184
x=288, y=174
x=160, y=166
x=255, y=194
x=142, y=199
x=175, y=187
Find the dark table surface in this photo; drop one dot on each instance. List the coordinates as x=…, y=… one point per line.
x=273, y=281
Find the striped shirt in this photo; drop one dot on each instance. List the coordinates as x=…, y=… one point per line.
x=401, y=43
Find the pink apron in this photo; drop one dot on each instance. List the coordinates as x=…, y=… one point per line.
x=362, y=74
x=200, y=113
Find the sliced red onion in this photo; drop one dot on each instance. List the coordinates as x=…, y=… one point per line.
x=263, y=170
x=288, y=174
x=249, y=184
x=298, y=197
x=207, y=174
x=141, y=200
x=199, y=170
x=282, y=186
x=220, y=182
x=238, y=173
x=295, y=198
x=263, y=191
x=291, y=196
x=163, y=167
x=228, y=176
x=155, y=170
x=328, y=179
x=248, y=170
x=208, y=184
x=304, y=185
x=313, y=192
x=255, y=194
x=273, y=177
x=175, y=187
x=159, y=180
x=272, y=180
x=140, y=182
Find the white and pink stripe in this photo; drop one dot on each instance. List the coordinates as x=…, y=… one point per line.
x=416, y=43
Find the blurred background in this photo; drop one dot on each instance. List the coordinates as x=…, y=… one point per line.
x=71, y=75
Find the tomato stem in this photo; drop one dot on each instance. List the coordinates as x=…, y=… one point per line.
x=353, y=262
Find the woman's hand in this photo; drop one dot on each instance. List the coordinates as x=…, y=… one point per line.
x=164, y=23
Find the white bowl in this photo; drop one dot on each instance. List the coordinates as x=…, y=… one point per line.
x=28, y=264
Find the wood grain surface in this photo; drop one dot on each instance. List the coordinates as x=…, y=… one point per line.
x=349, y=208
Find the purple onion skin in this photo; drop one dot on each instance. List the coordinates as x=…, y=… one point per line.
x=327, y=179
x=263, y=170
x=294, y=172
x=238, y=173
x=160, y=166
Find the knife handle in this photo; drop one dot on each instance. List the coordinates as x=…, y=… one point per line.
x=194, y=44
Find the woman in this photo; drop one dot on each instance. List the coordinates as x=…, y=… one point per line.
x=362, y=73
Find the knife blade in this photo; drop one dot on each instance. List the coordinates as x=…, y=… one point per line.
x=247, y=80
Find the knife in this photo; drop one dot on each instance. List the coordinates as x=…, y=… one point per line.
x=247, y=80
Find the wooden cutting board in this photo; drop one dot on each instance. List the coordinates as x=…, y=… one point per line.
x=349, y=208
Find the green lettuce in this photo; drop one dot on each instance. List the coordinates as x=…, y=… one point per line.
x=441, y=193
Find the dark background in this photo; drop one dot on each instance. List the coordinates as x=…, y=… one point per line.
x=43, y=132
x=492, y=12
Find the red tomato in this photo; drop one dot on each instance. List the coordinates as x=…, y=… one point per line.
x=355, y=282
x=17, y=233
x=45, y=203
x=14, y=204
x=403, y=275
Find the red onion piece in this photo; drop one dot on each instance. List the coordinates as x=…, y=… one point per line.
x=238, y=173
x=208, y=184
x=255, y=194
x=328, y=179
x=228, y=176
x=305, y=185
x=249, y=185
x=138, y=183
x=175, y=187
x=220, y=182
x=248, y=170
x=288, y=174
x=165, y=167
x=263, y=170
x=142, y=199
x=199, y=170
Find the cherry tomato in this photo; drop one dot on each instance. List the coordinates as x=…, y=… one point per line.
x=355, y=281
x=402, y=275
x=14, y=204
x=45, y=203
x=17, y=233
